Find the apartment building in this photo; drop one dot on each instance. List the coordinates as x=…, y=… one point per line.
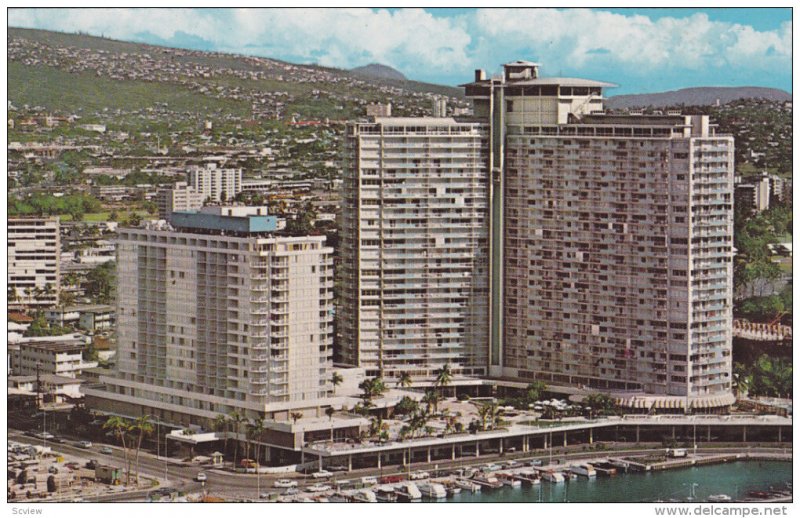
x=414, y=247
x=379, y=110
x=178, y=198
x=216, y=314
x=34, y=248
x=61, y=357
x=215, y=184
x=611, y=243
x=439, y=107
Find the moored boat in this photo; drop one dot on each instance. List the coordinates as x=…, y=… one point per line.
x=385, y=494
x=553, y=476
x=720, y=498
x=466, y=485
x=509, y=480
x=408, y=492
x=487, y=480
x=432, y=490
x=584, y=470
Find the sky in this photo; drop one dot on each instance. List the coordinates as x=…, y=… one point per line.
x=643, y=50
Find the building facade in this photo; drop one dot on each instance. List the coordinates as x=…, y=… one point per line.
x=414, y=247
x=177, y=198
x=611, y=242
x=216, y=315
x=34, y=249
x=57, y=357
x=215, y=184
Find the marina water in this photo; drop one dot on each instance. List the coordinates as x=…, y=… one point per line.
x=735, y=479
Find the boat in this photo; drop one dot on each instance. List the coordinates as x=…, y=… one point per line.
x=584, y=470
x=553, y=476
x=605, y=469
x=509, y=480
x=364, y=495
x=408, y=492
x=720, y=498
x=528, y=476
x=466, y=485
x=385, y=494
x=432, y=490
x=339, y=498
x=487, y=480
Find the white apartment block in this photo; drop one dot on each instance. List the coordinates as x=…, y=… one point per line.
x=179, y=197
x=414, y=247
x=215, y=184
x=34, y=249
x=614, y=240
x=216, y=314
x=439, y=107
x=61, y=358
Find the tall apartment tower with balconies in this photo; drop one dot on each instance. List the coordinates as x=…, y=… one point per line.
x=611, y=243
x=214, y=183
x=414, y=236
x=217, y=314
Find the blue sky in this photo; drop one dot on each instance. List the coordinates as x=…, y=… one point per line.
x=642, y=50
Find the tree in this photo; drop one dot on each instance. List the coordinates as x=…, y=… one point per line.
x=295, y=416
x=13, y=296
x=144, y=427
x=237, y=420
x=221, y=425
x=101, y=283
x=444, y=377
x=431, y=400
x=121, y=427
x=406, y=406
x=329, y=412
x=600, y=404
x=336, y=380
x=404, y=380
x=256, y=429
x=372, y=388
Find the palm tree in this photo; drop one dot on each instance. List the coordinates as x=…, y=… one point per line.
x=336, y=380
x=431, y=400
x=121, y=427
x=221, y=425
x=257, y=428
x=404, y=380
x=444, y=377
x=329, y=412
x=236, y=419
x=485, y=414
x=13, y=296
x=144, y=427
x=295, y=416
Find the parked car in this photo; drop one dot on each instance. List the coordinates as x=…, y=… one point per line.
x=420, y=475
x=322, y=474
x=92, y=464
x=106, y=450
x=285, y=483
x=318, y=488
x=536, y=462
x=44, y=435
x=201, y=477
x=369, y=481
x=337, y=468
x=72, y=465
x=84, y=444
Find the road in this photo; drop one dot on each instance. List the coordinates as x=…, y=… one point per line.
x=182, y=476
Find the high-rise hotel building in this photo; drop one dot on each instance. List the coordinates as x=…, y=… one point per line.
x=217, y=314
x=414, y=236
x=605, y=243
x=611, y=243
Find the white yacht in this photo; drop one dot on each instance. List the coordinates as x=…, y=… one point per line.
x=432, y=490
x=553, y=476
x=584, y=470
x=408, y=491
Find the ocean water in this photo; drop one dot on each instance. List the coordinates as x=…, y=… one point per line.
x=735, y=479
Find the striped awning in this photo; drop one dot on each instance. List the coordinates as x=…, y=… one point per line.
x=675, y=402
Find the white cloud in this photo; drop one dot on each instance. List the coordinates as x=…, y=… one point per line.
x=418, y=43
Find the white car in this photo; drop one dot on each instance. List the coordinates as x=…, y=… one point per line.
x=322, y=474
x=318, y=488
x=285, y=483
x=84, y=444
x=201, y=477
x=420, y=475
x=369, y=481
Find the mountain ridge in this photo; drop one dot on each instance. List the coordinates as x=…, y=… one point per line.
x=696, y=96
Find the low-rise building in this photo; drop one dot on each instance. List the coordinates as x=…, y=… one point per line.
x=59, y=357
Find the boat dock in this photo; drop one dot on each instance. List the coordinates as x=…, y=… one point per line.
x=633, y=465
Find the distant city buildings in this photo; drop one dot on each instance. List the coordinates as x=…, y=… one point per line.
x=216, y=314
x=179, y=197
x=215, y=184
x=759, y=192
x=34, y=249
x=439, y=107
x=415, y=247
x=379, y=110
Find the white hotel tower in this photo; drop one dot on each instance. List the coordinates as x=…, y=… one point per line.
x=611, y=243
x=414, y=247
x=216, y=314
